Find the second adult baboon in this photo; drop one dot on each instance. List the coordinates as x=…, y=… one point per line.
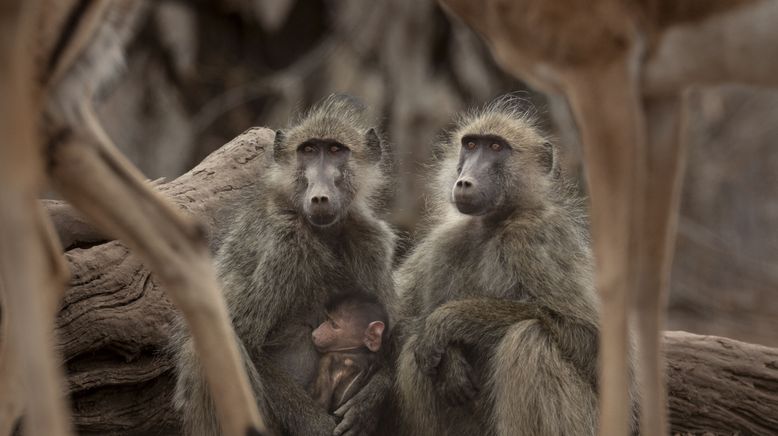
x=499, y=318
x=307, y=233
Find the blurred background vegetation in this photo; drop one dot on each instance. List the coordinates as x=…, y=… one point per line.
x=200, y=72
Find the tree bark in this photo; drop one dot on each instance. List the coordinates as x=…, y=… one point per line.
x=114, y=324
x=721, y=386
x=115, y=320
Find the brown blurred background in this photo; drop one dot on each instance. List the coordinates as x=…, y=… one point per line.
x=200, y=72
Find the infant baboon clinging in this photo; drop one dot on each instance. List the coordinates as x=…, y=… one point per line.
x=349, y=341
x=307, y=233
x=498, y=306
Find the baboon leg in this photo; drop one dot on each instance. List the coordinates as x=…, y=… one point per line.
x=536, y=392
x=422, y=411
x=607, y=106
x=26, y=269
x=665, y=157
x=416, y=396
x=193, y=399
x=94, y=177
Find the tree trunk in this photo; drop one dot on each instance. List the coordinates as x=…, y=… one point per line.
x=115, y=321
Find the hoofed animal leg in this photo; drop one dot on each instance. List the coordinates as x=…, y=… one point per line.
x=664, y=154
x=28, y=268
x=607, y=106
x=101, y=183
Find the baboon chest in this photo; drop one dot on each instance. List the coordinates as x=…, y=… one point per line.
x=308, y=277
x=470, y=269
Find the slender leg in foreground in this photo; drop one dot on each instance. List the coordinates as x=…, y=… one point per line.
x=26, y=267
x=602, y=100
x=665, y=161
x=93, y=176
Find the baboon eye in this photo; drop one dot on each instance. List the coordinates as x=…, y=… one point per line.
x=496, y=146
x=308, y=149
x=470, y=145
x=335, y=148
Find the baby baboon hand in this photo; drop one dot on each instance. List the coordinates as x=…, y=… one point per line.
x=456, y=381
x=428, y=354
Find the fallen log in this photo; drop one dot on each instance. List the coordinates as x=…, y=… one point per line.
x=721, y=386
x=115, y=320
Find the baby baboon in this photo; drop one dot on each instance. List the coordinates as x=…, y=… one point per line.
x=307, y=233
x=499, y=309
x=349, y=341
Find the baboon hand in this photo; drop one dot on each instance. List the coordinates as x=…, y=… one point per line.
x=355, y=420
x=359, y=415
x=456, y=381
x=428, y=353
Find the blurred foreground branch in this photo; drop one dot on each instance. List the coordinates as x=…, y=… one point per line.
x=115, y=320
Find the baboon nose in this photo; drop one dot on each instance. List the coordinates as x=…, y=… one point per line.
x=464, y=183
x=322, y=199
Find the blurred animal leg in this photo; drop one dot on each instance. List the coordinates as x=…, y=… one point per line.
x=665, y=154
x=25, y=257
x=102, y=184
x=11, y=388
x=606, y=104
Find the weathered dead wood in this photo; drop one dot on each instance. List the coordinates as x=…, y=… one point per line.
x=115, y=320
x=720, y=385
x=72, y=228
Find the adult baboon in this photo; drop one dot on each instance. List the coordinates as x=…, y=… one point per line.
x=499, y=308
x=307, y=232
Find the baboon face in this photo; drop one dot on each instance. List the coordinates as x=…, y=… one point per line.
x=348, y=328
x=327, y=164
x=479, y=187
x=323, y=165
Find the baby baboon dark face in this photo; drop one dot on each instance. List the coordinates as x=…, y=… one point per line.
x=324, y=167
x=478, y=188
x=349, y=327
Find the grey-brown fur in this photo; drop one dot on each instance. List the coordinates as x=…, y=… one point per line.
x=499, y=313
x=279, y=271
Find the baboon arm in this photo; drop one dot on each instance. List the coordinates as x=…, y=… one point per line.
x=470, y=322
x=477, y=320
x=484, y=321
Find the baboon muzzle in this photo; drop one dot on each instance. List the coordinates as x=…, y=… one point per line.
x=321, y=205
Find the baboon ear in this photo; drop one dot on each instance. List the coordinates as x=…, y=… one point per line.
x=373, y=335
x=548, y=159
x=278, y=147
x=373, y=145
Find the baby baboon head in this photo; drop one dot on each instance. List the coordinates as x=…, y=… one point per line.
x=329, y=161
x=353, y=321
x=496, y=160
